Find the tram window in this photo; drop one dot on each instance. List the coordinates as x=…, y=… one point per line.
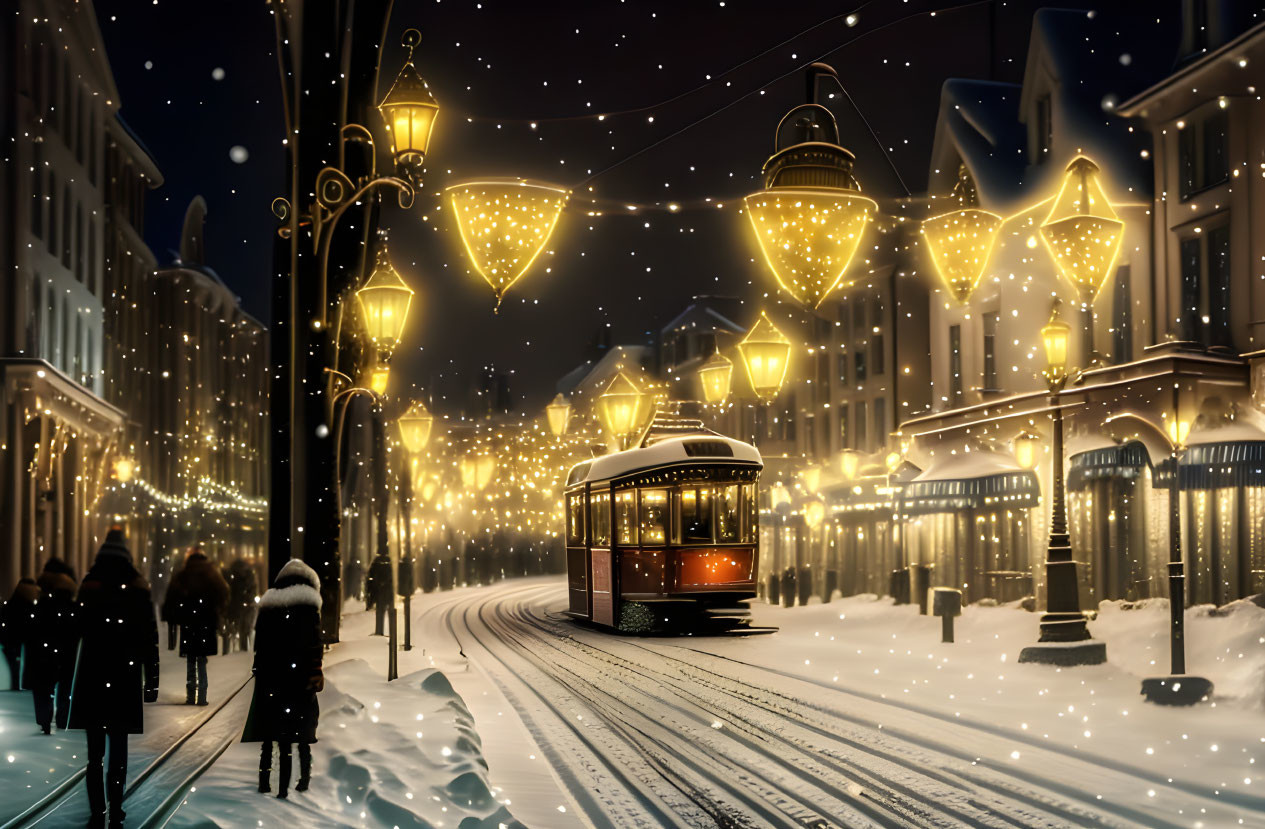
x=626, y=517
x=727, y=514
x=654, y=517
x=696, y=515
x=600, y=518
x=753, y=513
x=575, y=518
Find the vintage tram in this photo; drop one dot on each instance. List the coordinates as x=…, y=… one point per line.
x=664, y=535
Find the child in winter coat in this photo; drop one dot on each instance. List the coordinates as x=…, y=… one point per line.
x=288, y=654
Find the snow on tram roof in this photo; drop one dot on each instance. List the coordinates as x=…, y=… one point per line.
x=700, y=448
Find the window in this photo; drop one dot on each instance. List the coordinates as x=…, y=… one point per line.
x=1203, y=153
x=880, y=416
x=575, y=518
x=991, y=321
x=728, y=515
x=859, y=360
x=1121, y=341
x=843, y=425
x=842, y=361
x=81, y=272
x=52, y=213
x=1191, y=258
x=858, y=315
x=1043, y=136
x=877, y=351
x=955, y=365
x=626, y=518
x=858, y=426
x=1219, y=286
x=751, y=524
x=600, y=518
x=695, y=516
x=66, y=212
x=1216, y=137
x=654, y=517
x=37, y=190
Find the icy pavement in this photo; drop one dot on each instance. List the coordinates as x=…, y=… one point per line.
x=32, y=765
x=405, y=754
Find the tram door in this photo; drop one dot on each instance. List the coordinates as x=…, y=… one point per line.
x=577, y=555
x=601, y=560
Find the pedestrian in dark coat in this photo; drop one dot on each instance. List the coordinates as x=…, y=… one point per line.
x=51, y=643
x=378, y=590
x=288, y=675
x=201, y=598
x=116, y=670
x=168, y=610
x=242, y=592
x=15, y=620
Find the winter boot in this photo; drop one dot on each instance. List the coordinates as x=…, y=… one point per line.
x=189, y=698
x=202, y=696
x=265, y=767
x=305, y=767
x=283, y=772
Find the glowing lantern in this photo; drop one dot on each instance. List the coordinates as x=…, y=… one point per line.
x=814, y=513
x=477, y=471
x=1026, y=447
x=384, y=303
x=811, y=477
x=960, y=242
x=378, y=378
x=892, y=461
x=559, y=414
x=779, y=495
x=409, y=109
x=505, y=225
x=716, y=375
x=1054, y=337
x=1178, y=430
x=765, y=352
x=415, y=426
x=810, y=215
x=1082, y=231
x=124, y=468
x=622, y=407
x=849, y=463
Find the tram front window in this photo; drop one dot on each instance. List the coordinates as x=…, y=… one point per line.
x=654, y=517
x=727, y=530
x=600, y=508
x=696, y=515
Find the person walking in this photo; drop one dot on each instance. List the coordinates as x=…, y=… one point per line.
x=50, y=644
x=15, y=620
x=116, y=670
x=201, y=598
x=287, y=670
x=242, y=587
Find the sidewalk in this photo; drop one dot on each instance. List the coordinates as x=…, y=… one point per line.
x=33, y=764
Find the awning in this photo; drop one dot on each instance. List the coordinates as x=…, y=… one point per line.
x=1229, y=464
x=1017, y=489
x=1125, y=461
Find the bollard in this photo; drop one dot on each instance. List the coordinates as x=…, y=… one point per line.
x=946, y=602
x=919, y=585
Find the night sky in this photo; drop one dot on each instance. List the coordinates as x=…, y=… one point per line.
x=199, y=83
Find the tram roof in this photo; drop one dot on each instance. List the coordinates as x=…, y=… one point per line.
x=703, y=449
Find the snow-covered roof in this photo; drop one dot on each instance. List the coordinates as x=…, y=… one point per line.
x=689, y=449
x=966, y=465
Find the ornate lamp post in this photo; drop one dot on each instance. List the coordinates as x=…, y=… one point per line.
x=415, y=428
x=1065, y=638
x=1178, y=688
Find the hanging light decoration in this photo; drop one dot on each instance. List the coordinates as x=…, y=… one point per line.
x=559, y=415
x=1054, y=337
x=505, y=225
x=961, y=242
x=779, y=495
x=124, y=469
x=814, y=513
x=379, y=376
x=415, y=426
x=1026, y=446
x=849, y=463
x=409, y=110
x=811, y=478
x=810, y=216
x=765, y=352
x=384, y=303
x=1083, y=231
x=716, y=375
x=622, y=407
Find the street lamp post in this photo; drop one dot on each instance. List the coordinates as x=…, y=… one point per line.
x=415, y=427
x=1178, y=688
x=1065, y=639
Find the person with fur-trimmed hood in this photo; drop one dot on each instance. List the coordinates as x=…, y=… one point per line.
x=16, y=616
x=51, y=643
x=288, y=654
x=116, y=670
x=201, y=597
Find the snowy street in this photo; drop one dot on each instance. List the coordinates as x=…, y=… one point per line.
x=854, y=714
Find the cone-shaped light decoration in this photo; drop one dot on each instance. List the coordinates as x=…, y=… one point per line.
x=810, y=216
x=415, y=426
x=765, y=352
x=811, y=478
x=559, y=414
x=961, y=242
x=409, y=108
x=622, y=407
x=1083, y=232
x=379, y=377
x=505, y=225
x=716, y=375
x=384, y=303
x=849, y=463
x=814, y=512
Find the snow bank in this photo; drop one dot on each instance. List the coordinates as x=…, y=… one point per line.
x=403, y=754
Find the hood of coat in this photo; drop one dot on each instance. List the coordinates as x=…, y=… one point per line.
x=53, y=582
x=297, y=584
x=199, y=578
x=25, y=592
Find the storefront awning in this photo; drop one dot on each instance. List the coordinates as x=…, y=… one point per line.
x=1018, y=489
x=1228, y=464
x=1125, y=461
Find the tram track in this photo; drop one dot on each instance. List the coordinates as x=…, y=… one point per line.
x=154, y=794
x=822, y=764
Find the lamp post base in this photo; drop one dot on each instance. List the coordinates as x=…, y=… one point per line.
x=1176, y=690
x=1065, y=654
